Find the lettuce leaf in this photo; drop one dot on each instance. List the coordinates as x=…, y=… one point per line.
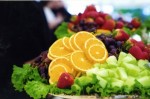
x=76, y=89
x=55, y=90
x=36, y=89
x=20, y=76
x=62, y=31
x=28, y=78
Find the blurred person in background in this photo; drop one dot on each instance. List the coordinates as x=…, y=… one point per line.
x=24, y=34
x=55, y=12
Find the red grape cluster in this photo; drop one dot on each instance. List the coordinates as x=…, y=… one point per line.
x=113, y=46
x=42, y=63
x=83, y=25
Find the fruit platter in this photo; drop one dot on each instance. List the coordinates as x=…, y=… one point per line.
x=94, y=55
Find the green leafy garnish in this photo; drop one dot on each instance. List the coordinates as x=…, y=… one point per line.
x=27, y=78
x=36, y=89
x=125, y=76
x=62, y=31
x=20, y=76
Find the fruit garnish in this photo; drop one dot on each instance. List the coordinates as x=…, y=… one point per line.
x=91, y=14
x=113, y=46
x=92, y=41
x=65, y=80
x=91, y=20
x=119, y=25
x=56, y=71
x=137, y=52
x=80, y=38
x=121, y=35
x=80, y=61
x=60, y=60
x=138, y=43
x=70, y=54
x=109, y=24
x=58, y=49
x=139, y=47
x=71, y=43
x=97, y=53
x=99, y=20
x=65, y=41
x=135, y=22
x=50, y=57
x=90, y=8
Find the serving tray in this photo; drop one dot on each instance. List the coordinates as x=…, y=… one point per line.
x=95, y=97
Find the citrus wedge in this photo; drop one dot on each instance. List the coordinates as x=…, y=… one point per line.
x=80, y=38
x=56, y=71
x=92, y=41
x=73, y=47
x=80, y=62
x=57, y=49
x=50, y=57
x=63, y=61
x=65, y=41
x=97, y=53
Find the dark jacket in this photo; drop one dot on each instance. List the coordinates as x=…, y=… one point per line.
x=24, y=34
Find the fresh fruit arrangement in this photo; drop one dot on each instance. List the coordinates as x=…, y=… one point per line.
x=67, y=55
x=97, y=22
x=91, y=20
x=98, y=57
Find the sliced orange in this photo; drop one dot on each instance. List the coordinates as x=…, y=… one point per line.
x=92, y=41
x=81, y=37
x=61, y=64
x=73, y=47
x=60, y=60
x=97, y=53
x=56, y=71
x=80, y=62
x=50, y=57
x=66, y=43
x=57, y=49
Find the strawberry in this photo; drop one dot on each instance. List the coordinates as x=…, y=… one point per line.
x=121, y=35
x=109, y=24
x=138, y=43
x=119, y=25
x=105, y=16
x=135, y=22
x=99, y=20
x=91, y=14
x=90, y=8
x=145, y=55
x=132, y=41
x=129, y=43
x=65, y=80
x=138, y=53
x=147, y=49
